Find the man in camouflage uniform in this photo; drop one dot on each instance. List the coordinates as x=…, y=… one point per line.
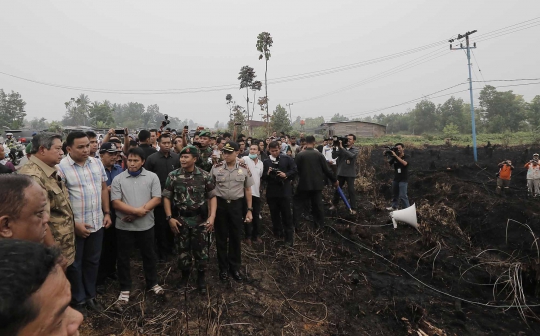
x=46, y=154
x=205, y=152
x=191, y=190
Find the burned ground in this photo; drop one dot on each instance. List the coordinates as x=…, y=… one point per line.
x=360, y=276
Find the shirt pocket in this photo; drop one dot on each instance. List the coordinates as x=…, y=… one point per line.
x=240, y=178
x=221, y=178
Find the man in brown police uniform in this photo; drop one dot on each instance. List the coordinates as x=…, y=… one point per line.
x=233, y=182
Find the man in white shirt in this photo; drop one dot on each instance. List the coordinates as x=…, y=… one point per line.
x=252, y=230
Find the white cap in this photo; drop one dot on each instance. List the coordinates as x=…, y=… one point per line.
x=9, y=134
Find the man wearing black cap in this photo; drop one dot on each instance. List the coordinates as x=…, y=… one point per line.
x=205, y=151
x=107, y=263
x=191, y=190
x=233, y=180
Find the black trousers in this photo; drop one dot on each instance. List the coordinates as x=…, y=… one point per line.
x=302, y=200
x=107, y=261
x=350, y=188
x=228, y=226
x=280, y=212
x=253, y=230
x=144, y=240
x=164, y=234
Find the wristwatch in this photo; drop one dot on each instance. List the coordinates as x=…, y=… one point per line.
x=249, y=209
x=106, y=213
x=168, y=218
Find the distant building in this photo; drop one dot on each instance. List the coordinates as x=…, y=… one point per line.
x=252, y=124
x=361, y=129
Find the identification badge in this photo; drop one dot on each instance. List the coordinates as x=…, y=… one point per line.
x=348, y=161
x=399, y=170
x=240, y=171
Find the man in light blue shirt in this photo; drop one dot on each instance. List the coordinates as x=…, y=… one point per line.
x=85, y=180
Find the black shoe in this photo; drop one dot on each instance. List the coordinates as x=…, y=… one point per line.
x=184, y=280
x=223, y=276
x=236, y=276
x=81, y=308
x=201, y=282
x=100, y=289
x=95, y=306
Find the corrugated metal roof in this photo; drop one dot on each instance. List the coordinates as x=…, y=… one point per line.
x=353, y=121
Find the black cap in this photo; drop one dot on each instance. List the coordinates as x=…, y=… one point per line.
x=109, y=147
x=231, y=146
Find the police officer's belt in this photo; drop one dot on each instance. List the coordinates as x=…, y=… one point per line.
x=193, y=213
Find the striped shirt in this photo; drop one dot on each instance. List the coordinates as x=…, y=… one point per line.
x=84, y=187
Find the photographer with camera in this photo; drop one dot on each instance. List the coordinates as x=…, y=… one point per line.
x=345, y=153
x=279, y=170
x=401, y=166
x=503, y=176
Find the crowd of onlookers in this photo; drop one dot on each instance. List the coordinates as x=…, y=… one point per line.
x=80, y=205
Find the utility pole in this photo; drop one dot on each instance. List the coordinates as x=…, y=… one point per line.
x=290, y=113
x=468, y=47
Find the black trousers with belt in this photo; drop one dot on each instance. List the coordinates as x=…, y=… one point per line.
x=228, y=226
x=350, y=188
x=282, y=222
x=302, y=200
x=164, y=234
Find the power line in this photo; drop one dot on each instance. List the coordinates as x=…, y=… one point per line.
x=493, y=34
x=353, y=115
x=478, y=65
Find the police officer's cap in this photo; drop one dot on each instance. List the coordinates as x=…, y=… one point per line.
x=109, y=147
x=231, y=146
x=205, y=134
x=190, y=150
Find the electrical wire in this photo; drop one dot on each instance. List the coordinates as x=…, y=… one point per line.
x=425, y=284
x=353, y=115
x=477, y=65
x=493, y=34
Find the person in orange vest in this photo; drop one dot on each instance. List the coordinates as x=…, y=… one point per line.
x=504, y=175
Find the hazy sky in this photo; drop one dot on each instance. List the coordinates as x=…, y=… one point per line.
x=157, y=45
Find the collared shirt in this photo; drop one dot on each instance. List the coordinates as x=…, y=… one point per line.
x=84, y=187
x=148, y=150
x=162, y=165
x=61, y=221
x=116, y=170
x=256, y=170
x=230, y=182
x=135, y=191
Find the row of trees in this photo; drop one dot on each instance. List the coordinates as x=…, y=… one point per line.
x=497, y=112
x=80, y=111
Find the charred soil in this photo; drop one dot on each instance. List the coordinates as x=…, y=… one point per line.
x=359, y=276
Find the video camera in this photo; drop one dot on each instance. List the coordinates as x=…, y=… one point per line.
x=389, y=150
x=166, y=121
x=336, y=139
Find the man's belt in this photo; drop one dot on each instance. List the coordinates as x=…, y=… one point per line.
x=193, y=213
x=228, y=200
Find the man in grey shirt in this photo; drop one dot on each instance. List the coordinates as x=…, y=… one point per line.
x=134, y=194
x=346, y=169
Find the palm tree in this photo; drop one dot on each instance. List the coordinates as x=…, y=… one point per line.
x=246, y=76
x=264, y=42
x=83, y=106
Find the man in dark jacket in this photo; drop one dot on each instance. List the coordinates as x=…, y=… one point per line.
x=278, y=171
x=312, y=170
x=346, y=169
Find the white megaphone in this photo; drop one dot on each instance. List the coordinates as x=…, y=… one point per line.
x=407, y=215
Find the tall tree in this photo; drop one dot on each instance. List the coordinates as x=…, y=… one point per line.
x=504, y=110
x=39, y=124
x=280, y=120
x=264, y=43
x=451, y=112
x=101, y=114
x=533, y=112
x=256, y=86
x=12, y=111
x=424, y=117
x=246, y=77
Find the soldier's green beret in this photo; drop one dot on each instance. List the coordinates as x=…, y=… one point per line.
x=190, y=150
x=205, y=134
